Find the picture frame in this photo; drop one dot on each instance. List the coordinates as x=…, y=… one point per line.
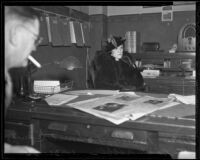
x=167, y=16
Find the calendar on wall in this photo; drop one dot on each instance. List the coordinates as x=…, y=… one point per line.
x=167, y=13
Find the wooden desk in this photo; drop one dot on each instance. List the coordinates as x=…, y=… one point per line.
x=164, y=132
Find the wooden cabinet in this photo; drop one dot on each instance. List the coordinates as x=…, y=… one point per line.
x=18, y=133
x=169, y=85
x=18, y=129
x=166, y=60
x=175, y=71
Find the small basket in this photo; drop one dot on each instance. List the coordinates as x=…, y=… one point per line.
x=67, y=85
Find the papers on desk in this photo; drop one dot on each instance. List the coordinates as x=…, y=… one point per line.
x=121, y=107
x=184, y=99
x=59, y=99
x=93, y=92
x=46, y=87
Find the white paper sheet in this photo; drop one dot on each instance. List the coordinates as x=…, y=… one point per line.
x=184, y=99
x=93, y=92
x=59, y=99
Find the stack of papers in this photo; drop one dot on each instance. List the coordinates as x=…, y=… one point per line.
x=59, y=99
x=46, y=87
x=93, y=92
x=121, y=107
x=184, y=99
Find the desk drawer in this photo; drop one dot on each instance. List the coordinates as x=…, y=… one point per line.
x=17, y=133
x=113, y=136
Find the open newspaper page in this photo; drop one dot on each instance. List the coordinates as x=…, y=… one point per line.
x=122, y=107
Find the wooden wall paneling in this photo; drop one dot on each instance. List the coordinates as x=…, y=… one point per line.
x=98, y=32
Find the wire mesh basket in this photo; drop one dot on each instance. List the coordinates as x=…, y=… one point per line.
x=40, y=89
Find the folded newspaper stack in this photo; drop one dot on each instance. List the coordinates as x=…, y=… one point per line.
x=46, y=87
x=122, y=107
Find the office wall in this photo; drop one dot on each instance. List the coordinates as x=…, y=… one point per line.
x=98, y=32
x=84, y=9
x=151, y=27
x=125, y=10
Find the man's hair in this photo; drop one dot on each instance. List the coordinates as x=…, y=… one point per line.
x=24, y=13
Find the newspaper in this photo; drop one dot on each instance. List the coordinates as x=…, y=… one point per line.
x=122, y=107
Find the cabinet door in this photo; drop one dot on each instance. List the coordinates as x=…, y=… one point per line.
x=166, y=86
x=17, y=133
x=170, y=85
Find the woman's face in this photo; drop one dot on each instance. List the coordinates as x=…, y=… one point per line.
x=117, y=53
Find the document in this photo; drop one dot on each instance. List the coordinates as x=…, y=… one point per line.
x=121, y=107
x=184, y=99
x=93, y=92
x=59, y=99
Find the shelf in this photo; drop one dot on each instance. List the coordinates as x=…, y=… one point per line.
x=169, y=79
x=176, y=69
x=162, y=55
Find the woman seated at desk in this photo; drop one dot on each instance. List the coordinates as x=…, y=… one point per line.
x=114, y=69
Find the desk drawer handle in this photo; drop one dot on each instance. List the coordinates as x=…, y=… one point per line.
x=122, y=134
x=57, y=126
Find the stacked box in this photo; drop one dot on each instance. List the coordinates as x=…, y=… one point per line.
x=132, y=43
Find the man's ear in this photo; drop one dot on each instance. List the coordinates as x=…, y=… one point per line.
x=14, y=35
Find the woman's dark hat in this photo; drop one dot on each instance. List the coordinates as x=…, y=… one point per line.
x=114, y=42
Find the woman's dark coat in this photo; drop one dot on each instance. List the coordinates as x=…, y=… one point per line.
x=111, y=74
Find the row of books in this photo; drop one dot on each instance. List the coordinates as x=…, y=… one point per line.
x=60, y=31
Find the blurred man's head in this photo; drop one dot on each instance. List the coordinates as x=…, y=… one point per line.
x=21, y=34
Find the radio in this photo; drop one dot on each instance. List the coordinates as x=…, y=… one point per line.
x=187, y=38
